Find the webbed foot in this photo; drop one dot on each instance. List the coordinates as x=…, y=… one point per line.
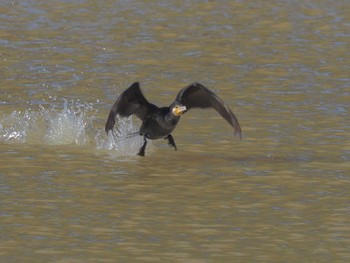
x=171, y=141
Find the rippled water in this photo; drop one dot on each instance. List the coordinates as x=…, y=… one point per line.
x=69, y=193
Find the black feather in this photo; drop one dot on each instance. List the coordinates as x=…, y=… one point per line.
x=198, y=96
x=130, y=102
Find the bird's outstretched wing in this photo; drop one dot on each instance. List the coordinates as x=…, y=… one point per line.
x=130, y=102
x=198, y=96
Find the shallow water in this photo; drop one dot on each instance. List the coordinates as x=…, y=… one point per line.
x=69, y=193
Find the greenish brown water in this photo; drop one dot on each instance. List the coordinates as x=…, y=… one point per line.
x=70, y=194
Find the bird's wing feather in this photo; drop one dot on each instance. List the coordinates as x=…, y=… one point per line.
x=198, y=96
x=130, y=102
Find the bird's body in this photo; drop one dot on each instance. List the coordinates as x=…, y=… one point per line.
x=158, y=123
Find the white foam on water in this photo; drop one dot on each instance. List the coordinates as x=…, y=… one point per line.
x=71, y=123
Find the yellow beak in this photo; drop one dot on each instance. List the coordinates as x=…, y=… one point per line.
x=179, y=110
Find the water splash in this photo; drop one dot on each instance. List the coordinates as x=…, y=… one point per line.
x=74, y=123
x=124, y=140
x=20, y=127
x=68, y=126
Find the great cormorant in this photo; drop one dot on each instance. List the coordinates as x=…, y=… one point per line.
x=158, y=123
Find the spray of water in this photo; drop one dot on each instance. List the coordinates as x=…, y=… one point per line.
x=125, y=140
x=74, y=123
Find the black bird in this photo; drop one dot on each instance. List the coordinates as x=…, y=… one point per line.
x=158, y=123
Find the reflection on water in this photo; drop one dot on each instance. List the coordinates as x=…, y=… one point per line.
x=69, y=193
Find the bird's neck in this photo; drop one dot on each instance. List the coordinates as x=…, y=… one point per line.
x=171, y=118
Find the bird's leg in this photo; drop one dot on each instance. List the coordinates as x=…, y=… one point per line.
x=143, y=147
x=171, y=141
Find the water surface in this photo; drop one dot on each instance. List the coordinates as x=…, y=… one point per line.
x=69, y=193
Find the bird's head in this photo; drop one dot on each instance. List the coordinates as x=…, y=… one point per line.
x=178, y=109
